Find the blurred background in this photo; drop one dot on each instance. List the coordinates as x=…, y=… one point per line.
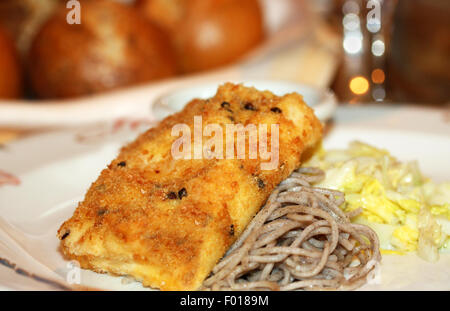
x=366, y=51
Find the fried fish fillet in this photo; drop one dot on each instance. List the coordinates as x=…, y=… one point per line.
x=167, y=222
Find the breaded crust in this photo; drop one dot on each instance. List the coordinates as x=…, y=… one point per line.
x=167, y=222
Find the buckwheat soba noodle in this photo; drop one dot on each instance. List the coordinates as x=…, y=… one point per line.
x=300, y=239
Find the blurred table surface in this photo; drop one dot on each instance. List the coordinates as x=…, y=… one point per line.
x=7, y=135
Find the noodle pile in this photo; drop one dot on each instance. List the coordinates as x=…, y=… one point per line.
x=300, y=239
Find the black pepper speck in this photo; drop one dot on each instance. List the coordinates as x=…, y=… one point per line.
x=275, y=109
x=249, y=106
x=122, y=164
x=65, y=235
x=226, y=106
x=182, y=193
x=261, y=184
x=232, y=230
x=101, y=212
x=171, y=195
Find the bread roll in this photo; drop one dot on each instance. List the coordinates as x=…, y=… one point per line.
x=112, y=47
x=207, y=33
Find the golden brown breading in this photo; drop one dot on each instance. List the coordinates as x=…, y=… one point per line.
x=167, y=222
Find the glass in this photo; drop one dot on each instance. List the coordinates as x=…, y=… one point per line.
x=366, y=31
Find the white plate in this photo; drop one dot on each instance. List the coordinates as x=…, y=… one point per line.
x=138, y=102
x=53, y=171
x=322, y=101
x=88, y=110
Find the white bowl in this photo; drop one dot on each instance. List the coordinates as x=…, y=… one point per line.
x=322, y=101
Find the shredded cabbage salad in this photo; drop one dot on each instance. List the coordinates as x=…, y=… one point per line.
x=408, y=211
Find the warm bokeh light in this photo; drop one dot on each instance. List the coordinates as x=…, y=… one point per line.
x=359, y=85
x=378, y=76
